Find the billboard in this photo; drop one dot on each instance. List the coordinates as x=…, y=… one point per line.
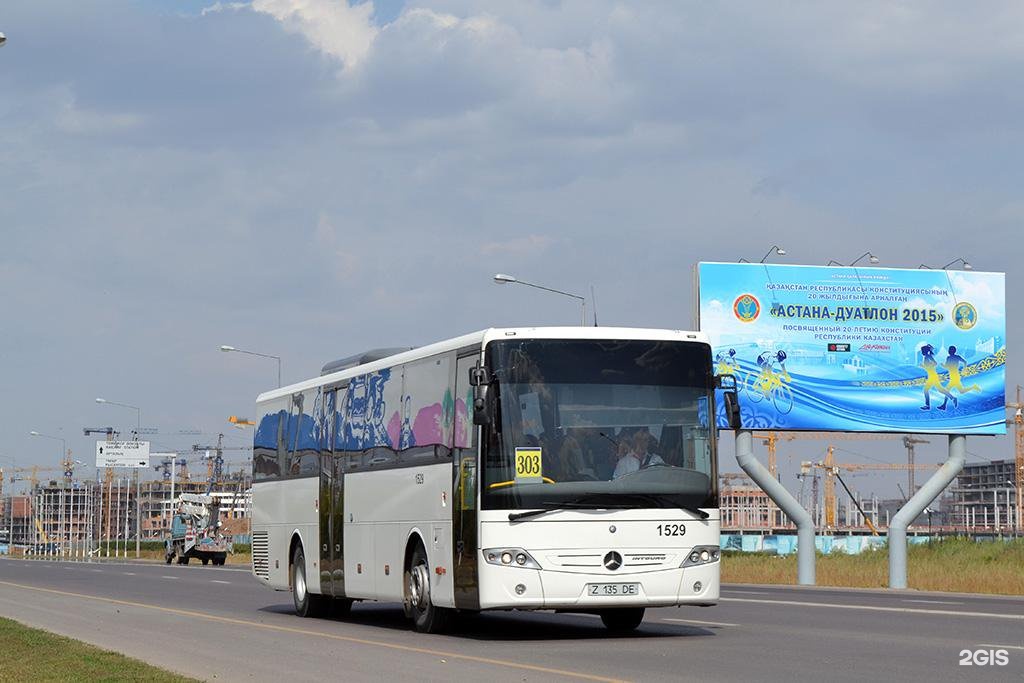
x=858, y=349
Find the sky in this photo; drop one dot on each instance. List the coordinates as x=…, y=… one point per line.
x=310, y=178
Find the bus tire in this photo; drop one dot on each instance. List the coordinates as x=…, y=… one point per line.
x=306, y=604
x=623, y=619
x=426, y=617
x=205, y=561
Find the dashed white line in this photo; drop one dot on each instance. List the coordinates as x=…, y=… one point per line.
x=999, y=647
x=697, y=621
x=216, y=581
x=937, y=602
x=174, y=578
x=128, y=573
x=904, y=610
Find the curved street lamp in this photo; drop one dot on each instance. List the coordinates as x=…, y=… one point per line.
x=503, y=279
x=228, y=349
x=967, y=266
x=871, y=259
x=779, y=251
x=63, y=443
x=138, y=412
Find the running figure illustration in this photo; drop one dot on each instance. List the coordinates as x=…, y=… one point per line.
x=932, y=379
x=955, y=363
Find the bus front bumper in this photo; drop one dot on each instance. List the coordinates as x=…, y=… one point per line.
x=521, y=588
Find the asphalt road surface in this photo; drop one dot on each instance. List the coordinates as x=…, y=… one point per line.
x=218, y=623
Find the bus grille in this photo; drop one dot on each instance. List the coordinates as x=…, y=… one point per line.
x=261, y=555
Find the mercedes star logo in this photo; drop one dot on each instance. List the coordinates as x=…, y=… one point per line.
x=612, y=561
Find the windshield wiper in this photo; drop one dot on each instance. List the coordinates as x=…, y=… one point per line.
x=659, y=499
x=582, y=504
x=577, y=504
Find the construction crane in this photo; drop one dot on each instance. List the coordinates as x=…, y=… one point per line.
x=771, y=439
x=33, y=478
x=832, y=468
x=908, y=442
x=215, y=463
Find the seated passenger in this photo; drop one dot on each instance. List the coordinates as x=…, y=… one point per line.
x=635, y=455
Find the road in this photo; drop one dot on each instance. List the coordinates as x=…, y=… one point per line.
x=217, y=622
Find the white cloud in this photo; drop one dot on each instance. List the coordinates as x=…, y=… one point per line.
x=218, y=7
x=336, y=28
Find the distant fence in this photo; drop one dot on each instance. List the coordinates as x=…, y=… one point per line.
x=785, y=544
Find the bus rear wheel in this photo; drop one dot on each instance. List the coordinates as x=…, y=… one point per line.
x=426, y=617
x=306, y=604
x=623, y=619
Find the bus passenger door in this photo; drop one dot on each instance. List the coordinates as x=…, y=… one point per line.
x=337, y=516
x=464, y=490
x=326, y=519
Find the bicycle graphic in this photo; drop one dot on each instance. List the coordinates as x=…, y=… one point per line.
x=768, y=384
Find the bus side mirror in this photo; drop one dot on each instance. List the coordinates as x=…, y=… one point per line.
x=727, y=383
x=732, y=408
x=478, y=380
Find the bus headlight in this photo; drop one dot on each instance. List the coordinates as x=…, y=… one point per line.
x=702, y=554
x=510, y=557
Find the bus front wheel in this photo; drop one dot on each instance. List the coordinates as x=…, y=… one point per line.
x=426, y=617
x=623, y=619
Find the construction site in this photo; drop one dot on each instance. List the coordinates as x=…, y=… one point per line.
x=110, y=515
x=982, y=501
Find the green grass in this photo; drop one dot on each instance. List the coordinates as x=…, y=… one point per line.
x=952, y=565
x=28, y=654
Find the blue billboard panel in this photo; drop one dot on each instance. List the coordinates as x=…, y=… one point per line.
x=859, y=349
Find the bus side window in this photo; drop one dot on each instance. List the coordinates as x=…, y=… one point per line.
x=282, y=443
x=294, y=422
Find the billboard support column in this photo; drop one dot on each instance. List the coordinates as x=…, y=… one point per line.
x=787, y=503
x=916, y=505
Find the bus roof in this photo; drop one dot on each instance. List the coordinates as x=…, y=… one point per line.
x=481, y=339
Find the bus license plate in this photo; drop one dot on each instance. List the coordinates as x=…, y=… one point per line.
x=613, y=589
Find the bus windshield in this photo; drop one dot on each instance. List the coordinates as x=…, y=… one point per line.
x=593, y=423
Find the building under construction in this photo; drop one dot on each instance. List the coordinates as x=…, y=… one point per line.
x=985, y=497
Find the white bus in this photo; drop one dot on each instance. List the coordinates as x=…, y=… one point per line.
x=567, y=469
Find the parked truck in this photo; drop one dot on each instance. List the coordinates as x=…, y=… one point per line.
x=195, y=531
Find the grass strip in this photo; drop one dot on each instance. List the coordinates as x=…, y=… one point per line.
x=29, y=654
x=955, y=565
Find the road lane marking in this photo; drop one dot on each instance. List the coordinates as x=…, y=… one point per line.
x=1011, y=647
x=937, y=602
x=128, y=573
x=904, y=610
x=731, y=590
x=173, y=578
x=697, y=621
x=331, y=636
x=216, y=581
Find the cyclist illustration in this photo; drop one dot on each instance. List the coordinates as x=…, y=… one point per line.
x=932, y=379
x=955, y=363
x=768, y=384
x=727, y=363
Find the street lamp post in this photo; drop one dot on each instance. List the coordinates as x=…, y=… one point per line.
x=138, y=479
x=227, y=349
x=872, y=259
x=503, y=279
x=961, y=259
x=63, y=443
